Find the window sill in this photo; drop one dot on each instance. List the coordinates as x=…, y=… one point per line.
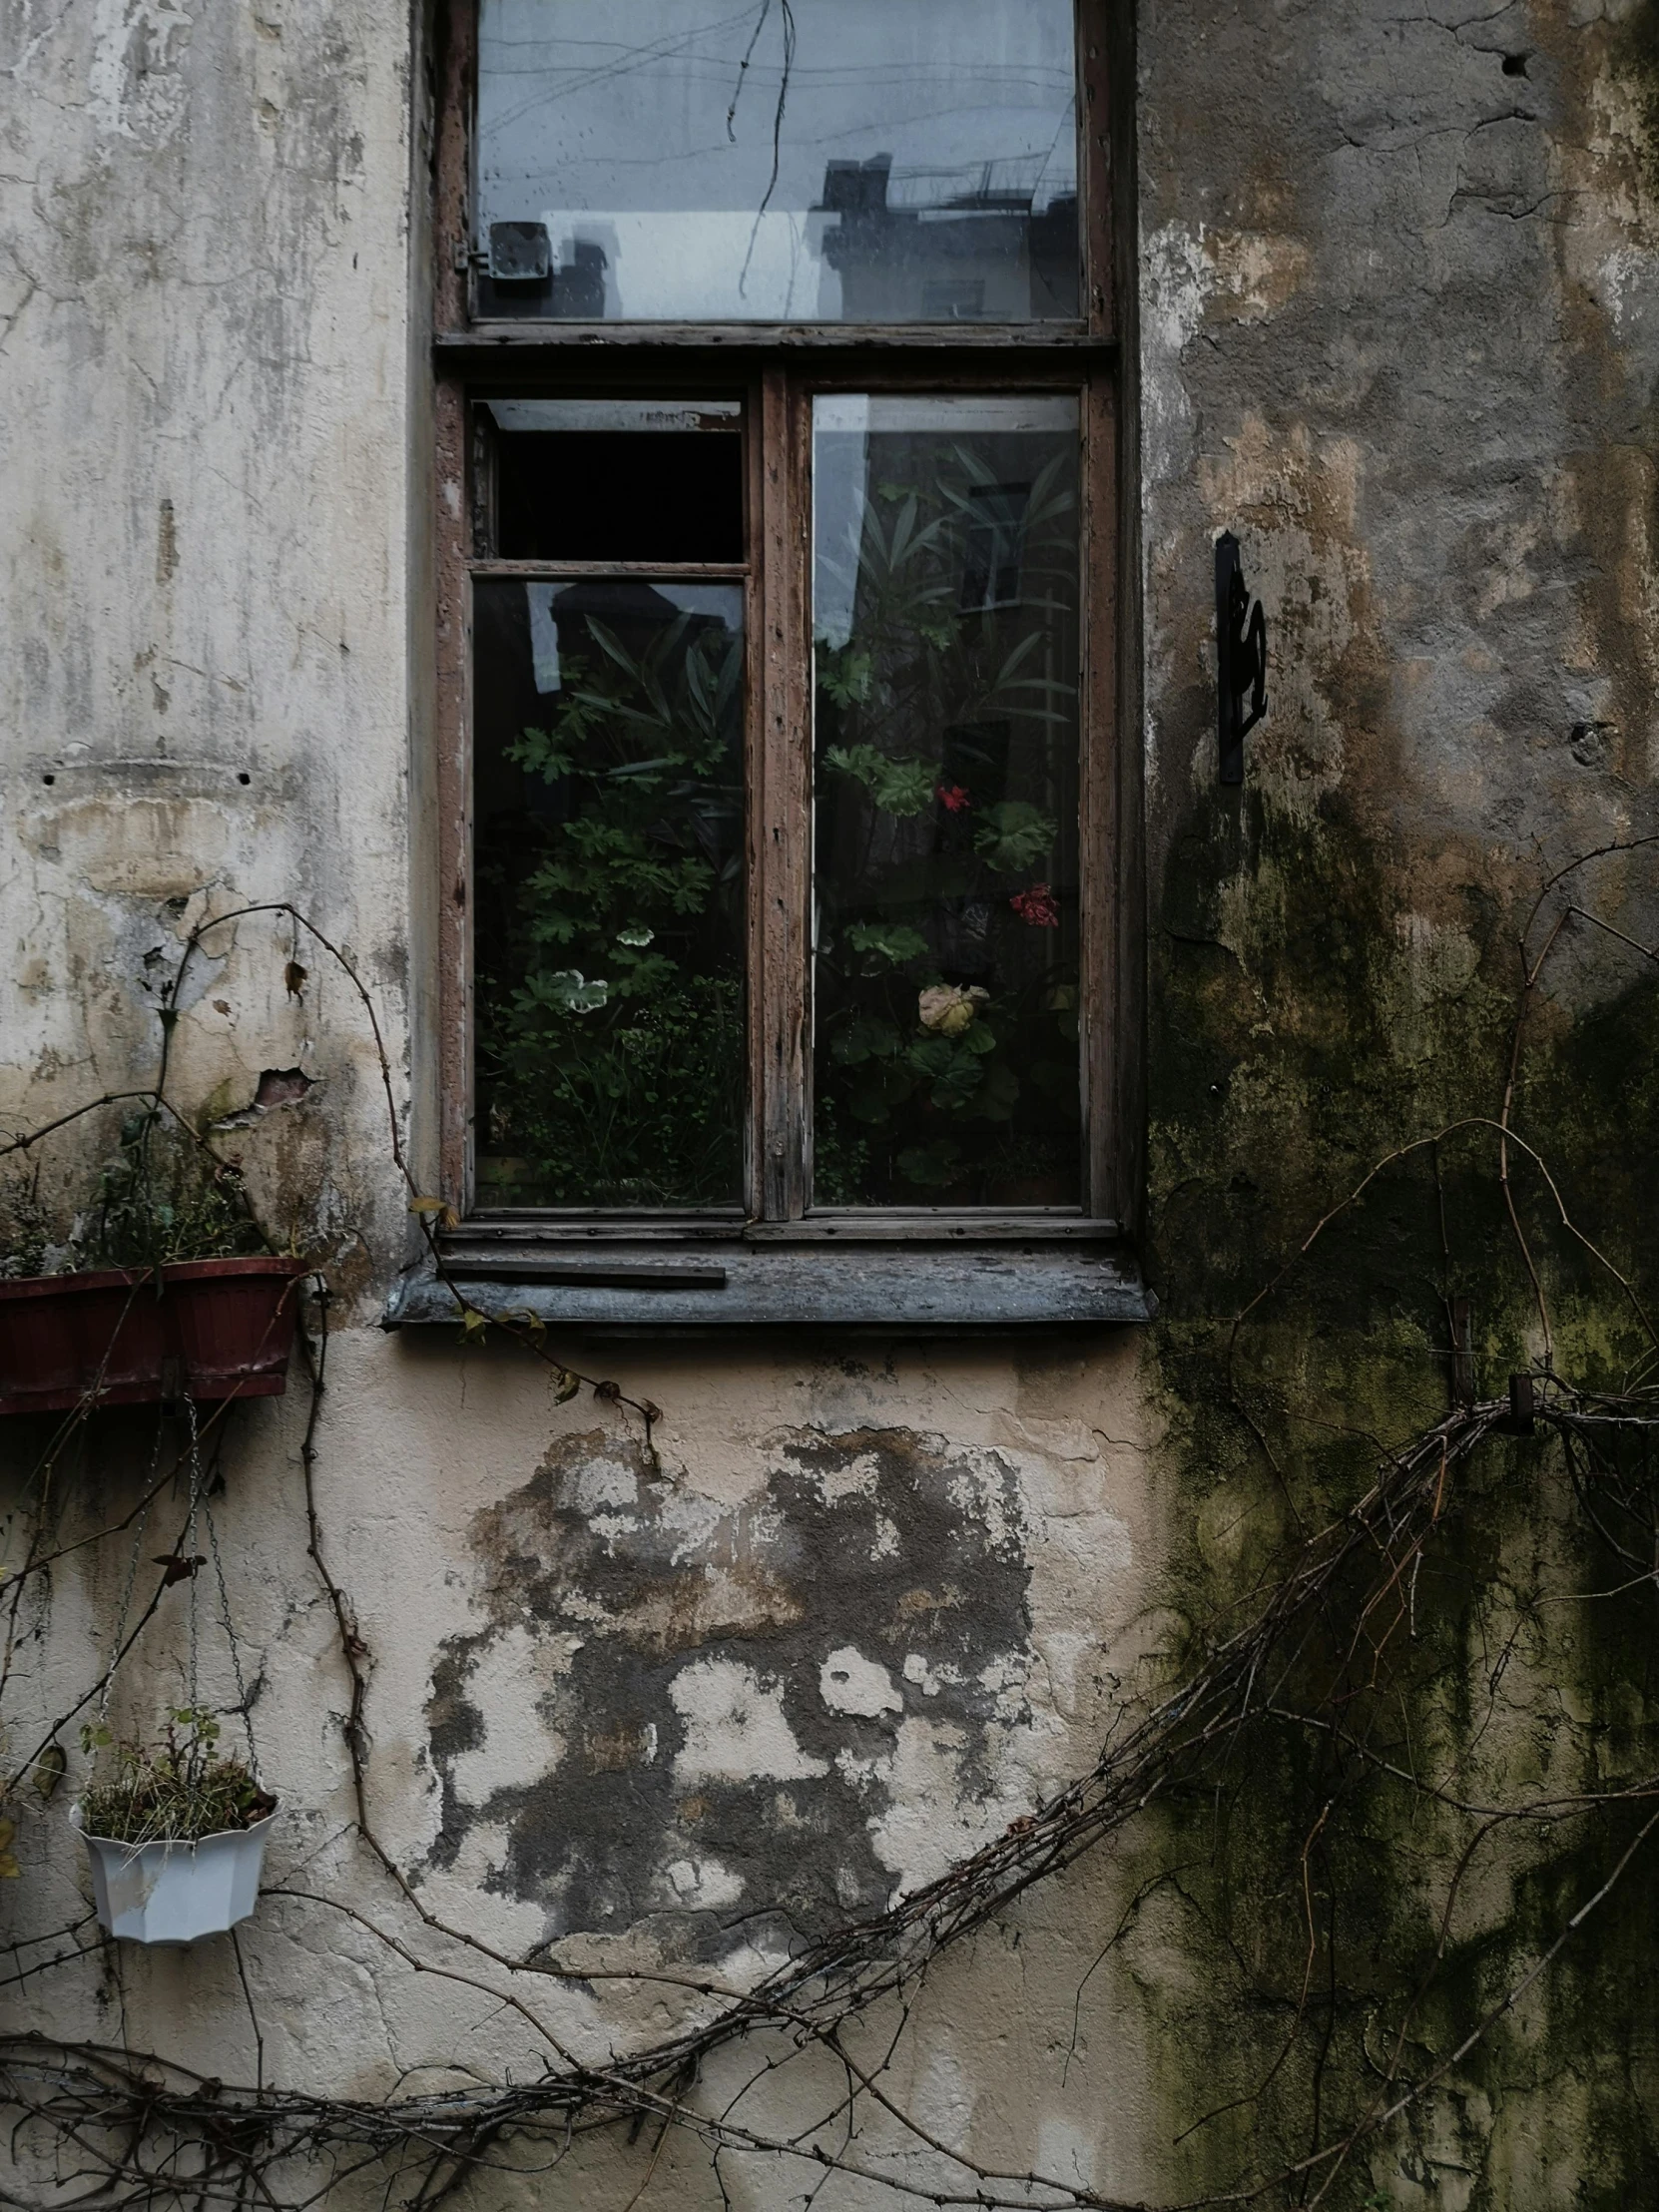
x=648, y=1288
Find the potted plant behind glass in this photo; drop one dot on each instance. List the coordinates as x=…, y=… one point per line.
x=165, y=1287
x=177, y=1837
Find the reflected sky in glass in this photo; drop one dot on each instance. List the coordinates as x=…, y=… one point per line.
x=880, y=161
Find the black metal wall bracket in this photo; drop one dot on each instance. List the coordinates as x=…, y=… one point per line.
x=1240, y=659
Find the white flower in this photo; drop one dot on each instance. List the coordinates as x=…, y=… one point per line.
x=947, y=1009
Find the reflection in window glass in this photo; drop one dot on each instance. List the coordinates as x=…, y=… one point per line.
x=945, y=661
x=834, y=160
x=609, y=863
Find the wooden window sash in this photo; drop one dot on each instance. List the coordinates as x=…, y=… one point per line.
x=779, y=369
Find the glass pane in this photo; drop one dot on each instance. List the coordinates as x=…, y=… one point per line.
x=946, y=700
x=826, y=161
x=618, y=480
x=608, y=726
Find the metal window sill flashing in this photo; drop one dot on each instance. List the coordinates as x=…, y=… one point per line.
x=1024, y=1279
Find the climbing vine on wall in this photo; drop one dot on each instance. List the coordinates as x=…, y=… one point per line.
x=1290, y=1726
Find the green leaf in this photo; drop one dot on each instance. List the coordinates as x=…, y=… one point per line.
x=567, y=1387
x=567, y=991
x=898, y=786
x=865, y=1037
x=931, y=1165
x=887, y=940
x=540, y=752
x=999, y=1093
x=1014, y=836
x=846, y=676
x=882, y=1090
x=473, y=1325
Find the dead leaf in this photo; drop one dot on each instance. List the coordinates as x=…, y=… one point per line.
x=294, y=975
x=447, y=1216
x=50, y=1767
x=177, y=1568
x=569, y=1385
x=9, y=1868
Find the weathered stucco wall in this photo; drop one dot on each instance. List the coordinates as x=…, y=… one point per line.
x=1399, y=328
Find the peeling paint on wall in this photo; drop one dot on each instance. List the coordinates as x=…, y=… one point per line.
x=800, y=1699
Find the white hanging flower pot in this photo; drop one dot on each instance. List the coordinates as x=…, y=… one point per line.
x=175, y=1893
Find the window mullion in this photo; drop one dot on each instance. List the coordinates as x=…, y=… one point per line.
x=781, y=817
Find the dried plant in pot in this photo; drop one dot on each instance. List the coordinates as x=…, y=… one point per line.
x=163, y=1288
x=176, y=1836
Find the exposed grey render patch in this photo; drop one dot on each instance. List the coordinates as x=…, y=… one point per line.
x=739, y=1713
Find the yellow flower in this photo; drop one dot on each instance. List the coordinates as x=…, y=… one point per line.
x=947, y=1009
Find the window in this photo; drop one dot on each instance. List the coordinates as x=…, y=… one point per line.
x=789, y=883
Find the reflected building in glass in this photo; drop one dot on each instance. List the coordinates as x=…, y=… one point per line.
x=986, y=253
x=839, y=164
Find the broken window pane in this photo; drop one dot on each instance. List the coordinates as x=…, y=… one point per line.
x=610, y=1056
x=831, y=160
x=946, y=1064
x=618, y=480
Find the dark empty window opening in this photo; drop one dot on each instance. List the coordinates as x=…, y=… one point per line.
x=585, y=481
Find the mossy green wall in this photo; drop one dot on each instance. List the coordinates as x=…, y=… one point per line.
x=1400, y=332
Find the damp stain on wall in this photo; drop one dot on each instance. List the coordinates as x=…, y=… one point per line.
x=738, y=1723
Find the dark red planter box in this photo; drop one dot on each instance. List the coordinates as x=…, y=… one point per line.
x=202, y=1329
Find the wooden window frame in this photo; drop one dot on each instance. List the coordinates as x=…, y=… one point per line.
x=775, y=370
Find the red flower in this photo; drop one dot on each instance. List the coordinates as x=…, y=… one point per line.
x=1037, y=908
x=955, y=797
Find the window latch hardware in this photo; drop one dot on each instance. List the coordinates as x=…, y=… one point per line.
x=520, y=253
x=1240, y=659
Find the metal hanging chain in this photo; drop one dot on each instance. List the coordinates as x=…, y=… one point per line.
x=132, y=1575
x=194, y=1698
x=243, y=1705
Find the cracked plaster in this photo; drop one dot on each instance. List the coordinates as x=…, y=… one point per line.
x=1398, y=326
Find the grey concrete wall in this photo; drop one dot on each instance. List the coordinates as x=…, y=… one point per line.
x=1400, y=314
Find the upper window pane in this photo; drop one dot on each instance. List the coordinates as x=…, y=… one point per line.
x=829, y=160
